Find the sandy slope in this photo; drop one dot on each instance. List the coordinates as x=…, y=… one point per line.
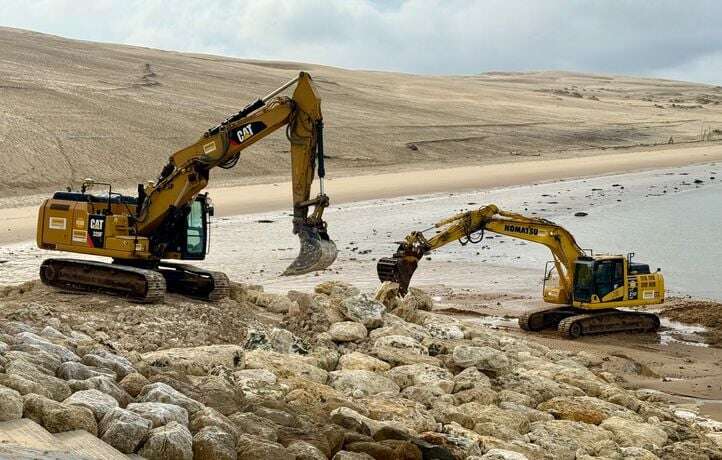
x=72, y=109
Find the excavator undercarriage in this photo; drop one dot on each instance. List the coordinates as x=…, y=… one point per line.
x=573, y=323
x=138, y=284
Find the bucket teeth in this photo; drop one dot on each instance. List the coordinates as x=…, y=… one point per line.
x=317, y=252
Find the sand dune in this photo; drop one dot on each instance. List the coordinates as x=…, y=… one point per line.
x=74, y=109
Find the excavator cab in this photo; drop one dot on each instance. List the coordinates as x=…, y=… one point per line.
x=608, y=280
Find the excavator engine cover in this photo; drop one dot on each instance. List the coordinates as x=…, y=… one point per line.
x=317, y=251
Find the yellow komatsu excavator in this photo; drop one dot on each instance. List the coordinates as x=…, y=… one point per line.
x=170, y=218
x=591, y=288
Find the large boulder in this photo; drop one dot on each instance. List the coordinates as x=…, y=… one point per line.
x=561, y=439
x=11, y=404
x=160, y=392
x=629, y=433
x=254, y=425
x=400, y=350
x=402, y=413
x=365, y=310
x=62, y=353
x=58, y=417
x=347, y=331
x=422, y=374
x=336, y=288
x=72, y=370
x=102, y=358
x=197, y=360
x=220, y=392
x=357, y=361
x=104, y=384
x=212, y=443
x=483, y=358
x=160, y=413
x=133, y=383
x=23, y=385
x=445, y=330
x=536, y=386
x=249, y=447
x=57, y=388
x=98, y=402
x=172, y=441
x=208, y=417
x=470, y=377
x=362, y=383
x=305, y=451
x=501, y=454
x=41, y=359
x=286, y=365
x=123, y=429
x=274, y=303
x=491, y=414
x=585, y=409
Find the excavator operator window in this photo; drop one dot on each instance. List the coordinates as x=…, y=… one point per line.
x=196, y=231
x=608, y=275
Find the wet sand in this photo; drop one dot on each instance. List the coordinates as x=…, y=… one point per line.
x=18, y=223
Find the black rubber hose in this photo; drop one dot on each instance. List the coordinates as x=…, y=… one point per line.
x=319, y=148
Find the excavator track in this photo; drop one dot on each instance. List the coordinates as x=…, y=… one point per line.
x=607, y=321
x=139, y=284
x=544, y=318
x=195, y=282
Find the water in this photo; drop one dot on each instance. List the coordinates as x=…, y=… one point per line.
x=680, y=233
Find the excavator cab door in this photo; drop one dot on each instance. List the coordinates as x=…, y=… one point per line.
x=196, y=230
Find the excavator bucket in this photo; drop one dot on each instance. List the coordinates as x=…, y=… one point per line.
x=317, y=252
x=397, y=270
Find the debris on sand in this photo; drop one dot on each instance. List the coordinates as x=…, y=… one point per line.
x=334, y=374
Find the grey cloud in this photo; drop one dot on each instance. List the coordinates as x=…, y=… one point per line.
x=662, y=38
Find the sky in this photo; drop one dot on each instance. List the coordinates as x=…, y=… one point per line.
x=679, y=39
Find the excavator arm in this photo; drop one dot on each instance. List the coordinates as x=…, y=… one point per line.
x=164, y=204
x=469, y=227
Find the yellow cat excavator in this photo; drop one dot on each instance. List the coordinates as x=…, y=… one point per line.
x=170, y=218
x=590, y=287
